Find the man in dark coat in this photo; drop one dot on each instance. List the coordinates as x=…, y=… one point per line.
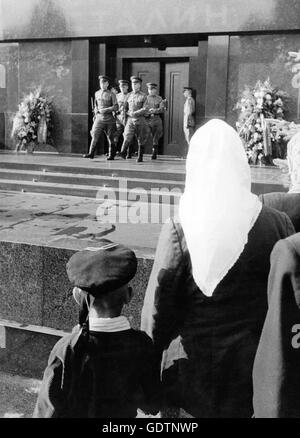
x=105, y=369
x=276, y=372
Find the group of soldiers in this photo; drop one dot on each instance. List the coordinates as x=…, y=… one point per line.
x=132, y=114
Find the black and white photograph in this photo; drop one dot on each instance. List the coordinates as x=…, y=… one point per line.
x=149, y=212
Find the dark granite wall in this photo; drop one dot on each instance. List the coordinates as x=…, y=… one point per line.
x=34, y=287
x=61, y=69
x=258, y=57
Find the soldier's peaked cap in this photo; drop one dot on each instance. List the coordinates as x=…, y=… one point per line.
x=123, y=82
x=99, y=270
x=105, y=78
x=188, y=88
x=151, y=85
x=135, y=79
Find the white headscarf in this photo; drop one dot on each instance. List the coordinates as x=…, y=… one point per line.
x=217, y=209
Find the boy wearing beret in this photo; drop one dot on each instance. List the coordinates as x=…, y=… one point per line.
x=104, y=368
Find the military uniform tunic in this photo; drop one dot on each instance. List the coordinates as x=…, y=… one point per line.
x=136, y=124
x=104, y=123
x=154, y=120
x=121, y=116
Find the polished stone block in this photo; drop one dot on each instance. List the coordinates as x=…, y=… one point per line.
x=216, y=77
x=59, y=308
x=26, y=353
x=34, y=287
x=259, y=57
x=80, y=76
x=79, y=133
x=21, y=282
x=62, y=132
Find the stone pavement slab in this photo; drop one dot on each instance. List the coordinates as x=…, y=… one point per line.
x=74, y=222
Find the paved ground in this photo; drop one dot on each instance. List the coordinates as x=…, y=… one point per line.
x=18, y=396
x=73, y=222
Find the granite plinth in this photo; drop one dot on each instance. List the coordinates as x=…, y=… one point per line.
x=26, y=353
x=21, y=282
x=34, y=287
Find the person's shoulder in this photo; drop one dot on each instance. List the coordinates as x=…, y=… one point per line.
x=272, y=214
x=267, y=198
x=66, y=342
x=271, y=220
x=285, y=253
x=291, y=242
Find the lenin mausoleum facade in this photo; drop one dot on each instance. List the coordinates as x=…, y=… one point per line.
x=215, y=46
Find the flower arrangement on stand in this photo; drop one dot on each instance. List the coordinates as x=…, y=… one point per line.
x=258, y=106
x=33, y=122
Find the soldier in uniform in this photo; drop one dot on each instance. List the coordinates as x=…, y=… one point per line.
x=156, y=106
x=121, y=116
x=104, y=120
x=136, y=125
x=188, y=115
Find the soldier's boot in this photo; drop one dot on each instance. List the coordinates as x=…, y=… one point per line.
x=140, y=154
x=123, y=152
x=111, y=152
x=154, y=152
x=129, y=155
x=91, y=153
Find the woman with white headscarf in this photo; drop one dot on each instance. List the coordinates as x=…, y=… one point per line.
x=288, y=202
x=206, y=298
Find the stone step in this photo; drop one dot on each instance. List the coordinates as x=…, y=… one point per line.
x=84, y=179
x=116, y=169
x=95, y=192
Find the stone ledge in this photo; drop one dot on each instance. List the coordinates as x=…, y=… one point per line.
x=35, y=290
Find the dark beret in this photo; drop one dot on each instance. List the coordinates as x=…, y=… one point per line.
x=135, y=79
x=103, y=269
x=151, y=85
x=105, y=78
x=188, y=88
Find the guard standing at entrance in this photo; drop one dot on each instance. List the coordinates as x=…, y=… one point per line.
x=136, y=125
x=104, y=120
x=156, y=106
x=188, y=115
x=121, y=116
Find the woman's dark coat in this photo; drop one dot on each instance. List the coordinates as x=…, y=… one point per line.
x=208, y=344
